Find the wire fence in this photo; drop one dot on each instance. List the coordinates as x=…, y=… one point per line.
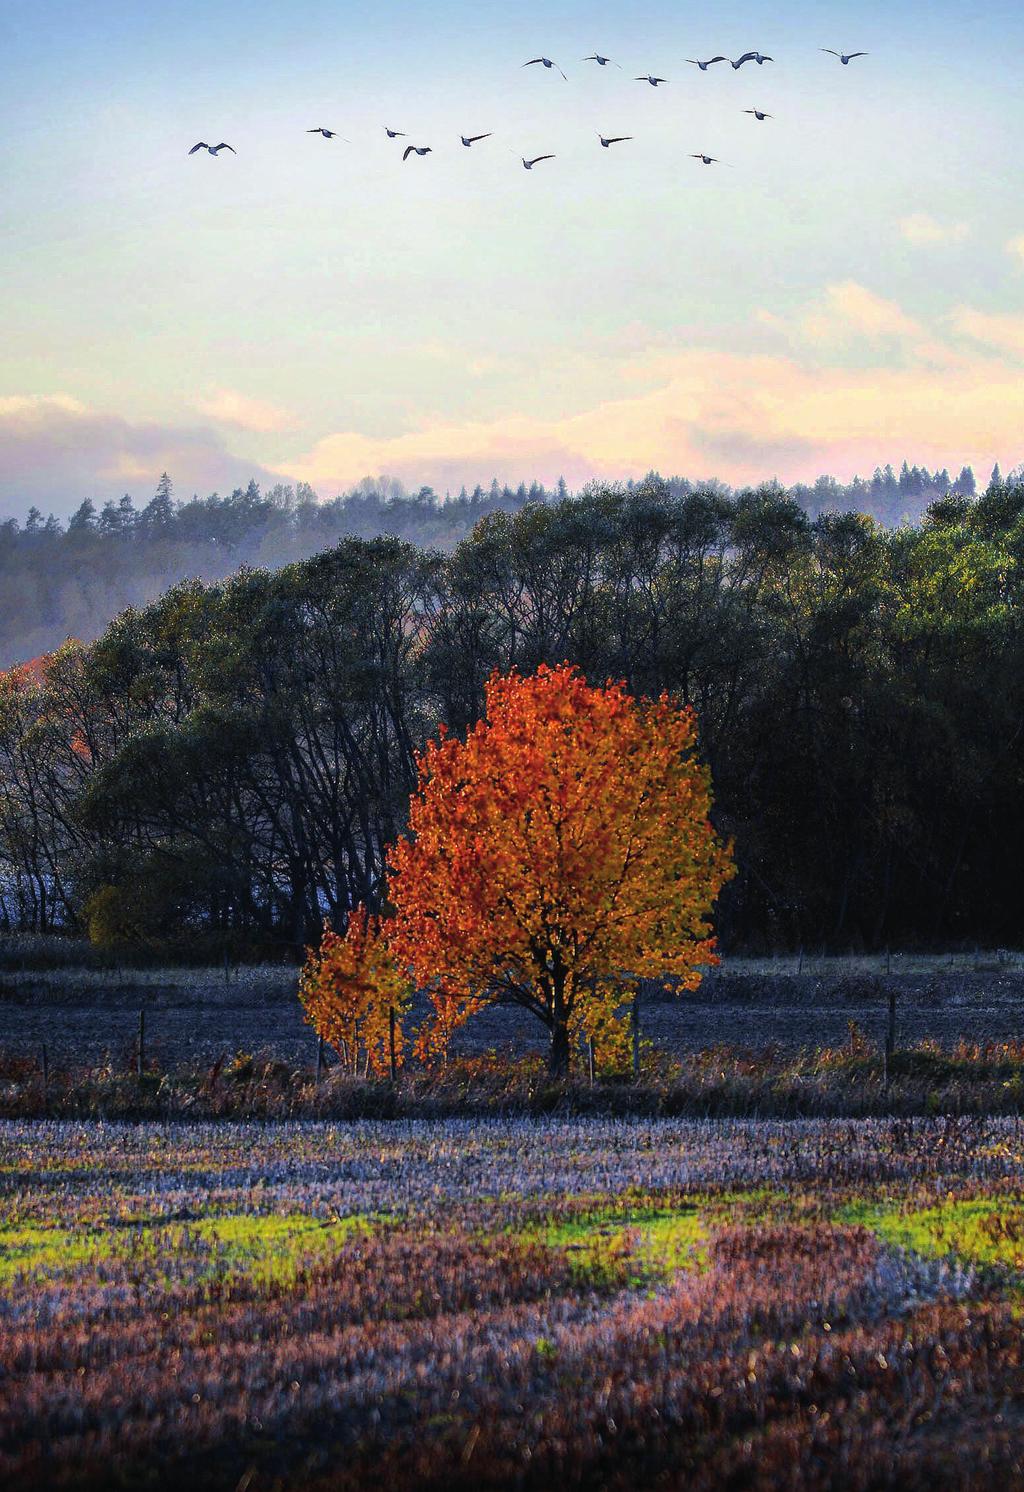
x=823, y=964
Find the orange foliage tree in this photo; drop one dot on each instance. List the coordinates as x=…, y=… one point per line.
x=562, y=850
x=354, y=995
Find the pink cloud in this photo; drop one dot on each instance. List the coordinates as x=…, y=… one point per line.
x=741, y=416
x=229, y=407
x=855, y=382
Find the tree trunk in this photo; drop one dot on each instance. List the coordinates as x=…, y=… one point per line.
x=558, y=1057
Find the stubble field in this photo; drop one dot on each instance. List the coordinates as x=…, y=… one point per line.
x=474, y=1304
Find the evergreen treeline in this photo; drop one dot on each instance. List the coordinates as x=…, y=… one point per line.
x=58, y=582
x=234, y=757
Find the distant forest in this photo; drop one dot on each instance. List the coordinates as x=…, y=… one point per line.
x=58, y=582
x=228, y=763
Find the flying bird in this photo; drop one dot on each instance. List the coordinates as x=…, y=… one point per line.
x=759, y=114
x=650, y=78
x=546, y=62
x=845, y=57
x=758, y=57
x=394, y=134
x=709, y=160
x=531, y=163
x=327, y=134
x=607, y=140
x=213, y=149
x=602, y=61
x=705, y=65
x=416, y=150
x=468, y=140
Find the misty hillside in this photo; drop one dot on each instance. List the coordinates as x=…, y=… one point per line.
x=58, y=582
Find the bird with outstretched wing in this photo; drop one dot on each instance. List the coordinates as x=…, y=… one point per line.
x=545, y=62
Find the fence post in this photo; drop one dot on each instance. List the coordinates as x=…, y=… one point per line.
x=140, y=1066
x=800, y=961
x=636, y=1033
x=890, y=1037
x=392, y=1054
x=319, y=1057
x=590, y=1060
x=45, y=1065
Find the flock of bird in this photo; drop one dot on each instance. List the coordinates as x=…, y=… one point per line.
x=606, y=140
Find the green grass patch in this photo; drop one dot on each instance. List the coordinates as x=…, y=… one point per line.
x=28, y=1249
x=614, y=1238
x=651, y=1242
x=269, y=1248
x=987, y=1232
x=653, y=1245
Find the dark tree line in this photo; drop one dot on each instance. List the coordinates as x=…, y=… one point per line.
x=58, y=582
x=231, y=760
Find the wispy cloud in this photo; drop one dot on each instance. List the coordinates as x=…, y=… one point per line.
x=848, y=323
x=921, y=229
x=1015, y=247
x=851, y=311
x=229, y=407
x=27, y=408
x=1002, y=331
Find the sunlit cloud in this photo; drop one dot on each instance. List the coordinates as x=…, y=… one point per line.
x=1015, y=247
x=850, y=311
x=741, y=417
x=228, y=407
x=25, y=409
x=744, y=416
x=851, y=381
x=1002, y=331
x=850, y=322
x=923, y=230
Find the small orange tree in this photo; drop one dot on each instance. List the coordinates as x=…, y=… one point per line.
x=348, y=987
x=564, y=846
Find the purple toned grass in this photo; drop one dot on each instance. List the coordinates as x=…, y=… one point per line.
x=446, y=1344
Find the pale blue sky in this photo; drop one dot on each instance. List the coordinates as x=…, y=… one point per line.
x=319, y=309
